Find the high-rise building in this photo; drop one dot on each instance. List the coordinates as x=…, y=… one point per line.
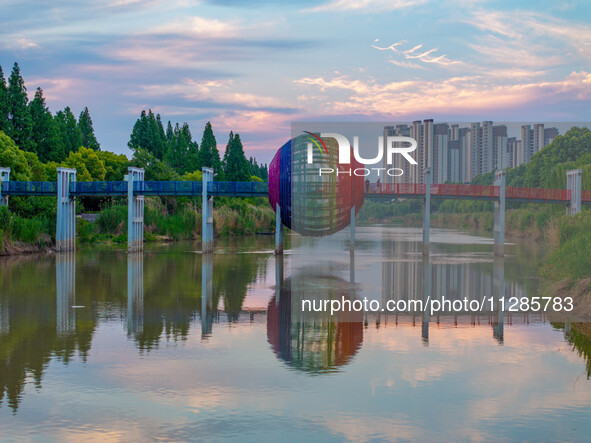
x=527, y=145
x=539, y=139
x=409, y=171
x=455, y=173
x=487, y=159
x=465, y=149
x=440, y=162
x=428, y=147
x=474, y=166
x=549, y=135
x=511, y=152
x=454, y=132
x=499, y=147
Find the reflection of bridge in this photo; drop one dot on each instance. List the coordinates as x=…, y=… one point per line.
x=135, y=188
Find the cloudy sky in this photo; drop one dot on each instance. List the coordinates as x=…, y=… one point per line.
x=255, y=66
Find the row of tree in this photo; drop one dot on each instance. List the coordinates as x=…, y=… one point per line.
x=167, y=153
x=35, y=129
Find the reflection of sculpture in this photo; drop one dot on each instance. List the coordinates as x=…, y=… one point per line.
x=314, y=342
x=311, y=204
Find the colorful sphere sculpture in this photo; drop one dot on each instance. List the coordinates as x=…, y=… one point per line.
x=311, y=203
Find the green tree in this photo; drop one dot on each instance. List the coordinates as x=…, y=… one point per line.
x=68, y=130
x=14, y=158
x=87, y=131
x=148, y=134
x=208, y=154
x=88, y=165
x=49, y=146
x=155, y=169
x=182, y=150
x=116, y=165
x=4, y=107
x=20, y=125
x=236, y=167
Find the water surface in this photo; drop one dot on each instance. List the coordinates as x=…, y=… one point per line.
x=173, y=345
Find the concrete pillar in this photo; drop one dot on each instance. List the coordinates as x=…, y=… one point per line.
x=498, y=293
x=427, y=211
x=573, y=184
x=135, y=294
x=278, y=230
x=135, y=211
x=499, y=215
x=207, y=213
x=4, y=177
x=65, y=233
x=65, y=278
x=352, y=227
x=206, y=294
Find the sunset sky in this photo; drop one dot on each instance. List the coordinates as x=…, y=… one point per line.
x=255, y=66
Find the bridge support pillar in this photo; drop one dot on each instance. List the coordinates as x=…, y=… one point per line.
x=278, y=230
x=207, y=213
x=65, y=232
x=573, y=184
x=4, y=177
x=352, y=226
x=499, y=215
x=135, y=211
x=427, y=211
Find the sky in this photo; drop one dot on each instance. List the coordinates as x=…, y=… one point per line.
x=256, y=66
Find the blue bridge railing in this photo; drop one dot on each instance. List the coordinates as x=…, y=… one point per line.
x=119, y=188
x=29, y=188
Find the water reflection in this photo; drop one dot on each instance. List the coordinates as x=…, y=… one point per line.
x=135, y=294
x=312, y=342
x=218, y=334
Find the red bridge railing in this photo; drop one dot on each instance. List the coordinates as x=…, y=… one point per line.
x=474, y=191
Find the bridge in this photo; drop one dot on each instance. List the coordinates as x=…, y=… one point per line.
x=66, y=188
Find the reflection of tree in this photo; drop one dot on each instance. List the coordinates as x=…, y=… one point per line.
x=313, y=342
x=580, y=338
x=28, y=336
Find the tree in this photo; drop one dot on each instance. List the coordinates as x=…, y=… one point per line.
x=89, y=167
x=208, y=155
x=236, y=167
x=87, y=131
x=182, y=151
x=49, y=145
x=20, y=126
x=261, y=171
x=68, y=130
x=3, y=103
x=155, y=169
x=116, y=165
x=148, y=134
x=14, y=158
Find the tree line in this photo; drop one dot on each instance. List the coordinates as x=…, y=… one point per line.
x=46, y=141
x=172, y=153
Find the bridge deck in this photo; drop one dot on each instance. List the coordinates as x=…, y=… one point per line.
x=258, y=189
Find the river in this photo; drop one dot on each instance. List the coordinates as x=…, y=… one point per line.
x=173, y=345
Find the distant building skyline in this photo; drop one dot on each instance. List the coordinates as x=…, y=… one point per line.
x=458, y=154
